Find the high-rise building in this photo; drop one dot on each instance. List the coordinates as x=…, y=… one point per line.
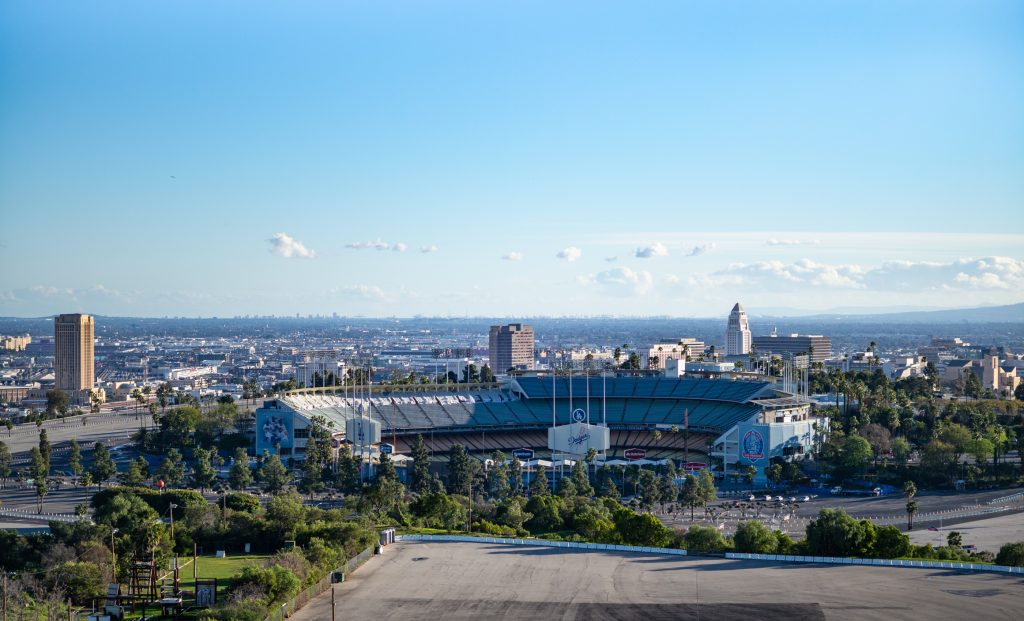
x=816, y=347
x=73, y=354
x=737, y=333
x=511, y=348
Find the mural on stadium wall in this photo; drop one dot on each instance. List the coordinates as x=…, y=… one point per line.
x=273, y=427
x=754, y=447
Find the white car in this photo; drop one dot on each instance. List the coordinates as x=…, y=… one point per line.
x=768, y=498
x=805, y=499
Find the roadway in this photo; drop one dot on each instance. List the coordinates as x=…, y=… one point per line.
x=422, y=580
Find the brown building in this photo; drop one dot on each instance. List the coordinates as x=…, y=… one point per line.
x=511, y=348
x=73, y=355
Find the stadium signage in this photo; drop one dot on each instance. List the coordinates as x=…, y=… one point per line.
x=523, y=454
x=752, y=445
x=387, y=449
x=634, y=453
x=578, y=415
x=694, y=466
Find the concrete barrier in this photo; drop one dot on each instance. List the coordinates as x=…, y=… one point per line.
x=875, y=562
x=575, y=545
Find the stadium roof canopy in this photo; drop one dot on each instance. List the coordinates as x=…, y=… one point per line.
x=713, y=405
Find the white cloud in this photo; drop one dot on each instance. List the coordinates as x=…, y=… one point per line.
x=792, y=242
x=366, y=292
x=377, y=244
x=696, y=251
x=570, y=254
x=611, y=259
x=285, y=246
x=512, y=256
x=428, y=249
x=657, y=249
x=621, y=281
x=910, y=277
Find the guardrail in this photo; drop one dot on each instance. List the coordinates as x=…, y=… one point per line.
x=877, y=562
x=574, y=545
x=26, y=514
x=1011, y=497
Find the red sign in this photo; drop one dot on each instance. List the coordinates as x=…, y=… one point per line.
x=694, y=466
x=335, y=443
x=634, y=453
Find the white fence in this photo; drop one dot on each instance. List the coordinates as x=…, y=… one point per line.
x=878, y=562
x=543, y=542
x=26, y=514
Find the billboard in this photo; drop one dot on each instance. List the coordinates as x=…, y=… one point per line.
x=362, y=431
x=754, y=445
x=273, y=427
x=634, y=454
x=523, y=454
x=578, y=438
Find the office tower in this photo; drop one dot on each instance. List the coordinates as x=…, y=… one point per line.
x=737, y=333
x=511, y=347
x=817, y=348
x=73, y=354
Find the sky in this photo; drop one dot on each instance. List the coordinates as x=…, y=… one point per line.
x=509, y=158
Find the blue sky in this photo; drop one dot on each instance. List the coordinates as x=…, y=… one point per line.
x=509, y=158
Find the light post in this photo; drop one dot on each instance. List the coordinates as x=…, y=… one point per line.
x=113, y=554
x=172, y=508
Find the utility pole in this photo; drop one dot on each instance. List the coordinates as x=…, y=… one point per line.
x=333, y=603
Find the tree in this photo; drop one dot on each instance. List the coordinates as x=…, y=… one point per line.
x=749, y=472
x=910, y=490
x=835, y=533
x=754, y=537
x=774, y=473
x=274, y=475
x=1011, y=554
x=938, y=456
x=137, y=472
x=347, y=476
x=540, y=486
x=45, y=449
x=497, y=478
x=691, y=493
x=891, y=543
x=103, y=466
x=5, y=465
x=385, y=494
x=486, y=374
x=901, y=451
x=56, y=401
x=240, y=475
x=75, y=458
x=954, y=539
x=204, y=472
x=515, y=473
x=609, y=489
x=171, y=470
x=581, y=480
x=857, y=453
x=972, y=385
x=37, y=470
x=420, y=479
x=461, y=470
x=704, y=539
x=650, y=492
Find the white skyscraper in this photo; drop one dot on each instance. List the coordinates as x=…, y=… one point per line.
x=737, y=334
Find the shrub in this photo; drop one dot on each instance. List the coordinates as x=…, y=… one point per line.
x=241, y=501
x=82, y=581
x=834, y=533
x=891, y=543
x=704, y=539
x=275, y=583
x=1011, y=554
x=754, y=537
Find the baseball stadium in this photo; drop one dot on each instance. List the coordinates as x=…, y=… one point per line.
x=664, y=416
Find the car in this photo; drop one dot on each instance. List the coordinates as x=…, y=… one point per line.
x=752, y=498
x=805, y=499
x=768, y=498
x=876, y=491
x=836, y=490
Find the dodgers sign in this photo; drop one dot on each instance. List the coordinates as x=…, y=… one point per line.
x=578, y=415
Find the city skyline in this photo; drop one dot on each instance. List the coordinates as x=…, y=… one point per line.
x=510, y=161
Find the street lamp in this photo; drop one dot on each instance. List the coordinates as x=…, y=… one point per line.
x=113, y=554
x=172, y=508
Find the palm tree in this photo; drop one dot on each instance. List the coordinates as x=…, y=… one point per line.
x=910, y=490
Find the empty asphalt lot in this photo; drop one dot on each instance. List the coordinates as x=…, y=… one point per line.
x=424, y=580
